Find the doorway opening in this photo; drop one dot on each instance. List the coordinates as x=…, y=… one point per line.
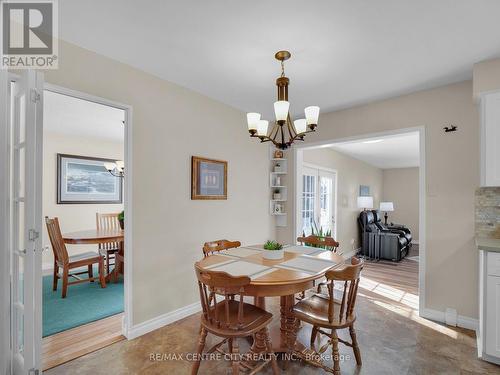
x=81, y=140
x=379, y=175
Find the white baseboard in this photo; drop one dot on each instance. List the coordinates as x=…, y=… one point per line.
x=468, y=323
x=47, y=268
x=162, y=320
x=440, y=316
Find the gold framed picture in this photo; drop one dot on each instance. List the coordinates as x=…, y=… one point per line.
x=208, y=178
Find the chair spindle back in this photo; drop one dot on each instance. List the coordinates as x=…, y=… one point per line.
x=316, y=241
x=56, y=240
x=349, y=275
x=227, y=286
x=108, y=222
x=219, y=245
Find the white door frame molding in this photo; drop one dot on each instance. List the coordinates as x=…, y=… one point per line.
x=4, y=226
x=128, y=250
x=298, y=162
x=31, y=358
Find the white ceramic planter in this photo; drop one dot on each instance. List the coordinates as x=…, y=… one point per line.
x=273, y=254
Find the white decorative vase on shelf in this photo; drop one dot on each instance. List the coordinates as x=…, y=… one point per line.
x=273, y=254
x=277, y=195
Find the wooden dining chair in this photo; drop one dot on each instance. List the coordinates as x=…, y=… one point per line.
x=66, y=262
x=326, y=242
x=219, y=245
x=230, y=319
x=119, y=265
x=327, y=312
x=109, y=249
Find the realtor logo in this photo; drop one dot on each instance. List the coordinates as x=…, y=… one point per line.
x=29, y=34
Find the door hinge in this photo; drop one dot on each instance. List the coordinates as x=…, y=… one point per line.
x=35, y=95
x=33, y=371
x=33, y=235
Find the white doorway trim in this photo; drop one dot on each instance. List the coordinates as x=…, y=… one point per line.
x=5, y=306
x=298, y=162
x=128, y=249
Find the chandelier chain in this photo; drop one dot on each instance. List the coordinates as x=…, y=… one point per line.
x=282, y=68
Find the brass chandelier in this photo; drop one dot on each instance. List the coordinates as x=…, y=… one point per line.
x=283, y=132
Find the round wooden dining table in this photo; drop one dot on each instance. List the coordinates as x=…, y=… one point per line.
x=96, y=237
x=294, y=273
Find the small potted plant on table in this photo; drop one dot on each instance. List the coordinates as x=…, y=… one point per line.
x=273, y=250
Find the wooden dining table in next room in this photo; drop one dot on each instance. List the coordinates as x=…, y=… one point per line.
x=95, y=237
x=284, y=278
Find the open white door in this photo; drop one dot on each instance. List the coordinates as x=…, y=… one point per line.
x=25, y=219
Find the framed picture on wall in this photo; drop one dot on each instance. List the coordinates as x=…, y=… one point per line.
x=85, y=180
x=208, y=178
x=364, y=191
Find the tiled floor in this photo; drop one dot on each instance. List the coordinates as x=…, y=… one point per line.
x=392, y=338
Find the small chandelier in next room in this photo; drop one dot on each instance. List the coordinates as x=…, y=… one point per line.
x=117, y=168
x=283, y=132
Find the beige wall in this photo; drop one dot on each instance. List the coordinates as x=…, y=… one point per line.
x=452, y=175
x=350, y=174
x=72, y=217
x=170, y=124
x=486, y=76
x=401, y=188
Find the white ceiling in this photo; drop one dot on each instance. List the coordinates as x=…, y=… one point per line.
x=68, y=115
x=343, y=52
x=395, y=151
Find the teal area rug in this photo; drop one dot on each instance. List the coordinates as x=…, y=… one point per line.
x=84, y=303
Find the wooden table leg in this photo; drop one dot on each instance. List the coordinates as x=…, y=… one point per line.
x=259, y=339
x=284, y=336
x=289, y=326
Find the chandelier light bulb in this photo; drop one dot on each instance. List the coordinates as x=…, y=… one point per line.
x=109, y=166
x=262, y=127
x=312, y=115
x=300, y=125
x=120, y=165
x=281, y=110
x=252, y=119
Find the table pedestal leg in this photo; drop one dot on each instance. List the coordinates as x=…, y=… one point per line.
x=284, y=336
x=289, y=326
x=259, y=339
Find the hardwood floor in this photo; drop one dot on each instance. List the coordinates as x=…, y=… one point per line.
x=402, y=276
x=76, y=342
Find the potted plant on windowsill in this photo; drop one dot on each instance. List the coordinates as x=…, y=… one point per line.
x=121, y=219
x=273, y=250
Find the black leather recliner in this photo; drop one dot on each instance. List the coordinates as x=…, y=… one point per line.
x=378, y=243
x=394, y=228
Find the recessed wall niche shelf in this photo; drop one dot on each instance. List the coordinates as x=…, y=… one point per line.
x=278, y=193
